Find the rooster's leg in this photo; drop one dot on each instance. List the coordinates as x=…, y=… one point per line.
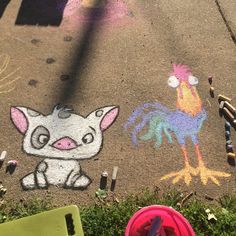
x=206, y=173
x=185, y=173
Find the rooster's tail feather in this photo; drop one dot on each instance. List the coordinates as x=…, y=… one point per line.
x=140, y=111
x=154, y=118
x=152, y=128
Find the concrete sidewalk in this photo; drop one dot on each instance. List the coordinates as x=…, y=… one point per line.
x=125, y=61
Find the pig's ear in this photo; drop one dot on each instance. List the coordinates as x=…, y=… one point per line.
x=104, y=117
x=20, y=117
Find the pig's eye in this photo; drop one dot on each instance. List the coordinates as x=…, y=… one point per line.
x=173, y=82
x=43, y=138
x=192, y=80
x=40, y=137
x=88, y=138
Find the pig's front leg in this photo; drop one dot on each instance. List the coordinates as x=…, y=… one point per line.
x=36, y=179
x=41, y=178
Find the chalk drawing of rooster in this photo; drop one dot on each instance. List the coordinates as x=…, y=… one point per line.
x=186, y=121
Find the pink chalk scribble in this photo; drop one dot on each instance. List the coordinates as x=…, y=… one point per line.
x=71, y=8
x=75, y=13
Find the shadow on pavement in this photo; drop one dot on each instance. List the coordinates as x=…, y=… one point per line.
x=80, y=58
x=3, y=5
x=41, y=12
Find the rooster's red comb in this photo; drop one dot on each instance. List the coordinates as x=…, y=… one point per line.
x=180, y=71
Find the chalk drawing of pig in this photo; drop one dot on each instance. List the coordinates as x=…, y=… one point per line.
x=62, y=138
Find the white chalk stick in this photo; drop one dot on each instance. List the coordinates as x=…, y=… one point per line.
x=12, y=162
x=228, y=142
x=228, y=113
x=3, y=156
x=230, y=107
x=105, y=174
x=3, y=190
x=222, y=103
x=114, y=173
x=230, y=146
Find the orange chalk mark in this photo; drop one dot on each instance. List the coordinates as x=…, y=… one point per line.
x=188, y=99
x=205, y=173
x=185, y=173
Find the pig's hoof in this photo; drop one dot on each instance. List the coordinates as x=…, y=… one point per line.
x=81, y=182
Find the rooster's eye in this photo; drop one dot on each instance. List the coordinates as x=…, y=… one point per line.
x=192, y=80
x=173, y=82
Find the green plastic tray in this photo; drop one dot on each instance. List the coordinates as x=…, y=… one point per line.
x=63, y=221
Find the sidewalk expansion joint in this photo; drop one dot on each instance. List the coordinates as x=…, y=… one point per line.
x=226, y=22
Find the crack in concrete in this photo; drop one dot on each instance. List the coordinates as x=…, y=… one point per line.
x=226, y=22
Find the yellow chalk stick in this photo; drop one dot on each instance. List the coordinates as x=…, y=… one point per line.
x=224, y=98
x=231, y=155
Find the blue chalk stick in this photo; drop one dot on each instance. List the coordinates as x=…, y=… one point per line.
x=229, y=142
x=227, y=125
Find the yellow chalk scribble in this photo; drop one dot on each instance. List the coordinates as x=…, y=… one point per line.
x=206, y=174
x=187, y=173
x=9, y=79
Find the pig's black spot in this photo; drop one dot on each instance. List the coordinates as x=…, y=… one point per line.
x=50, y=60
x=35, y=41
x=64, y=77
x=99, y=113
x=32, y=82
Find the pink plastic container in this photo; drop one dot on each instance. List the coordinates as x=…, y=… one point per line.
x=172, y=221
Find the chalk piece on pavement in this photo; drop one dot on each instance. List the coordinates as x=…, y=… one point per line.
x=229, y=146
x=210, y=79
x=227, y=125
x=114, y=173
x=228, y=142
x=227, y=132
x=231, y=108
x=114, y=176
x=212, y=92
x=222, y=103
x=224, y=98
x=3, y=156
x=228, y=113
x=12, y=163
x=231, y=155
x=103, y=180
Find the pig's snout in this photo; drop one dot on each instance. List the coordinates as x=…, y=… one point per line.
x=65, y=143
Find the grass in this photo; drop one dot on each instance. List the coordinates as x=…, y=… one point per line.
x=109, y=218
x=13, y=211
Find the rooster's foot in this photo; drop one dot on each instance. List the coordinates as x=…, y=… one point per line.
x=206, y=174
x=184, y=173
